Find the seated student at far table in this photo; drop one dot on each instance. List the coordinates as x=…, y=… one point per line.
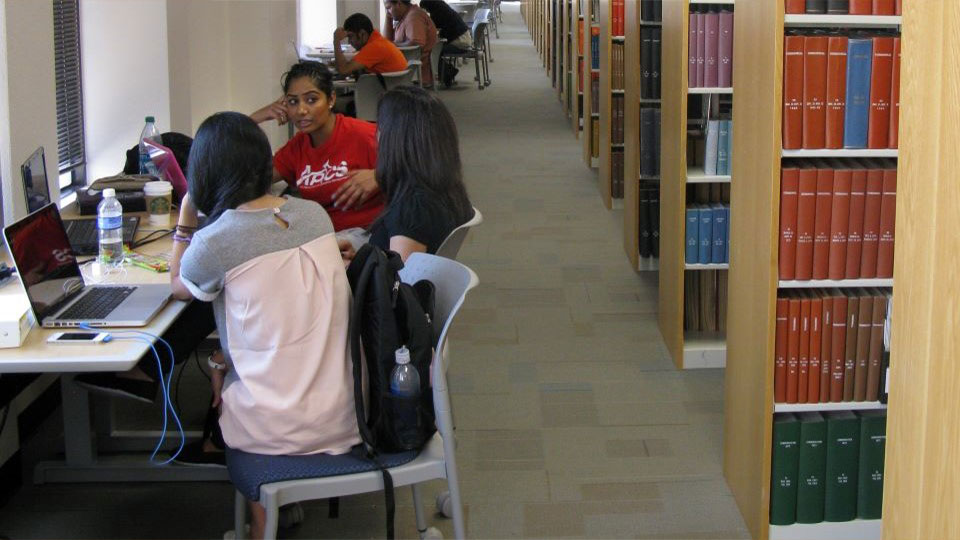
x=331, y=158
x=375, y=53
x=407, y=24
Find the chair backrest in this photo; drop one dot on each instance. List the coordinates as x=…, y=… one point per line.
x=368, y=91
x=479, y=32
x=451, y=244
x=435, y=56
x=410, y=52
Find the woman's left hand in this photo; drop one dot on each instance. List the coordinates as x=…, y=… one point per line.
x=358, y=188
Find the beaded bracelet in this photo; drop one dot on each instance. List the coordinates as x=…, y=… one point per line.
x=183, y=239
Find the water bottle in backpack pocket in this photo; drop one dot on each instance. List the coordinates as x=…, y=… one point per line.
x=404, y=401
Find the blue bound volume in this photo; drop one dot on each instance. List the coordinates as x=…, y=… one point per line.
x=693, y=239
x=719, y=234
x=856, y=116
x=705, y=234
x=723, y=158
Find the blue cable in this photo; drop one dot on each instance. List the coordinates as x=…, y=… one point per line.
x=164, y=385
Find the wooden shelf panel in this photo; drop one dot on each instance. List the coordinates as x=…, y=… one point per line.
x=825, y=283
x=846, y=21
x=729, y=2
x=820, y=407
x=860, y=529
x=704, y=350
x=695, y=175
x=710, y=90
x=711, y=266
x=842, y=153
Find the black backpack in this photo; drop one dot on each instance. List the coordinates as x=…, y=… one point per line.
x=387, y=314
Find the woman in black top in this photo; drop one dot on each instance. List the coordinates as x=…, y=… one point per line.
x=419, y=171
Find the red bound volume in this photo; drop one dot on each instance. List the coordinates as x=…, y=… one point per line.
x=876, y=348
x=793, y=92
x=839, y=221
x=884, y=7
x=888, y=219
x=858, y=187
x=806, y=217
x=898, y=8
x=821, y=227
x=780, y=358
x=871, y=223
x=826, y=350
x=836, y=90
x=815, y=91
x=894, y=138
x=796, y=6
x=803, y=378
x=850, y=350
x=793, y=349
x=864, y=327
x=881, y=71
x=861, y=7
x=838, y=343
x=816, y=335
x=701, y=43
x=692, y=51
x=789, y=184
x=711, y=48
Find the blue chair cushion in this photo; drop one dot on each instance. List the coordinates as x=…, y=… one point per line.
x=249, y=471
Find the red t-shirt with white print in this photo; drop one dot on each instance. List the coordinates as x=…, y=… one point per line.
x=318, y=172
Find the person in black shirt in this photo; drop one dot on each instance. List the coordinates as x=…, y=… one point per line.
x=419, y=171
x=450, y=26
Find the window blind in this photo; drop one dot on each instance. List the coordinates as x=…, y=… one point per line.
x=66, y=35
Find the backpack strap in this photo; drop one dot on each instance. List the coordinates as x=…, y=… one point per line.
x=389, y=501
x=359, y=297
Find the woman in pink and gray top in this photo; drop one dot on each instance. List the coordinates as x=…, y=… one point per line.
x=407, y=24
x=272, y=268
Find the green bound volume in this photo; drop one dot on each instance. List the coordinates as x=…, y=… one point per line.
x=783, y=475
x=811, y=468
x=873, y=439
x=843, y=452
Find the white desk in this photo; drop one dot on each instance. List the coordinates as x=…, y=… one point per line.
x=82, y=463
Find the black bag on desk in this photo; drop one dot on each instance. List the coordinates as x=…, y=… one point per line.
x=131, y=201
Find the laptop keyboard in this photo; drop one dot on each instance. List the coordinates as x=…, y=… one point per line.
x=97, y=303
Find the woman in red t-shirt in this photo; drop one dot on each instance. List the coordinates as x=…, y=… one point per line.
x=331, y=160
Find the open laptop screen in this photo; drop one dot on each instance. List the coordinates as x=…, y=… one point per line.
x=40, y=250
x=36, y=190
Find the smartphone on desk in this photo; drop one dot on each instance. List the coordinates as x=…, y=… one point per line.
x=79, y=338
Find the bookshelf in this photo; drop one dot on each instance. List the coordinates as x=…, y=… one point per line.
x=703, y=347
x=754, y=272
x=591, y=114
x=610, y=177
x=576, y=67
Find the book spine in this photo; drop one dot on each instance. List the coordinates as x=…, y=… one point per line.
x=894, y=137
x=725, y=52
x=803, y=377
x=836, y=90
x=843, y=452
x=795, y=6
x=811, y=465
x=838, y=7
x=888, y=219
x=816, y=337
x=881, y=71
x=838, y=342
x=719, y=234
x=816, y=6
x=793, y=350
x=789, y=199
x=839, y=220
x=701, y=43
x=780, y=351
x=806, y=222
x=864, y=329
x=850, y=348
x=692, y=52
x=858, y=188
x=821, y=232
x=873, y=442
x=898, y=7
x=875, y=355
x=729, y=147
x=884, y=7
x=722, y=142
x=861, y=7
x=814, y=91
x=710, y=50
x=783, y=470
x=826, y=350
x=793, y=92
x=705, y=234
x=712, y=145
x=871, y=223
x=857, y=113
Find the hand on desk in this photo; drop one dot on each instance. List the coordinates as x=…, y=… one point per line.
x=359, y=187
x=275, y=110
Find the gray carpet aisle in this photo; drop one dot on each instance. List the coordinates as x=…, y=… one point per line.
x=571, y=419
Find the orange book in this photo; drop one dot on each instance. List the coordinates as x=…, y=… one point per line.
x=850, y=347
x=826, y=350
x=861, y=7
x=793, y=349
x=888, y=219
x=814, y=91
x=894, y=138
x=838, y=343
x=871, y=223
x=793, y=92
x=803, y=377
x=821, y=227
x=864, y=328
x=789, y=184
x=780, y=358
x=839, y=221
x=858, y=187
x=806, y=218
x=884, y=7
x=816, y=336
x=881, y=71
x=836, y=90
x=795, y=6
x=875, y=356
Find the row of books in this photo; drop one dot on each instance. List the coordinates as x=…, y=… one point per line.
x=617, y=26
x=841, y=91
x=649, y=213
x=650, y=63
x=705, y=301
x=649, y=142
x=707, y=234
x=595, y=47
x=616, y=66
x=594, y=92
x=829, y=346
x=845, y=7
x=827, y=466
x=616, y=118
x=837, y=220
x=710, y=54
x=651, y=10
x=616, y=173
x=717, y=148
x=594, y=137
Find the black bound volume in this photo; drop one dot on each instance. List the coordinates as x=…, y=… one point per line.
x=816, y=6
x=837, y=7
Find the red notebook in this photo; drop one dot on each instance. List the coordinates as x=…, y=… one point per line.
x=884, y=7
x=780, y=356
x=888, y=219
x=814, y=91
x=793, y=92
x=788, y=222
x=894, y=138
x=803, y=378
x=858, y=187
x=821, y=227
x=881, y=71
x=864, y=327
x=850, y=349
x=793, y=349
x=826, y=350
x=838, y=342
x=816, y=335
x=806, y=217
x=839, y=221
x=836, y=90
x=861, y=7
x=875, y=355
x=871, y=223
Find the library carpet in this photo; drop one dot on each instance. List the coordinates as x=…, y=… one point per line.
x=571, y=419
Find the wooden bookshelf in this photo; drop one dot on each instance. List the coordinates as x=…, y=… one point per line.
x=605, y=175
x=589, y=21
x=577, y=96
x=754, y=278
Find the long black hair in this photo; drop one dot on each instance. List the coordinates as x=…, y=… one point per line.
x=318, y=74
x=419, y=149
x=230, y=163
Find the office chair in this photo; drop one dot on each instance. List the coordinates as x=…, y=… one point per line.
x=451, y=244
x=369, y=89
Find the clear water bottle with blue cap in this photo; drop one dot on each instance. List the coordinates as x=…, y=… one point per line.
x=110, y=227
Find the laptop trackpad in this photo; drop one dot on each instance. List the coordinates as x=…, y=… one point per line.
x=138, y=308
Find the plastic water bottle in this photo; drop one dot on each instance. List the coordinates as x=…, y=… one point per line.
x=150, y=132
x=110, y=227
x=404, y=380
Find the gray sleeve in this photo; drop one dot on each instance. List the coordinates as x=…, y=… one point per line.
x=201, y=271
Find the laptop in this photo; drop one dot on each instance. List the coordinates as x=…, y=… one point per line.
x=49, y=272
x=82, y=233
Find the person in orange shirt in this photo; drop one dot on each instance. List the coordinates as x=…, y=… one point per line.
x=375, y=53
x=407, y=24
